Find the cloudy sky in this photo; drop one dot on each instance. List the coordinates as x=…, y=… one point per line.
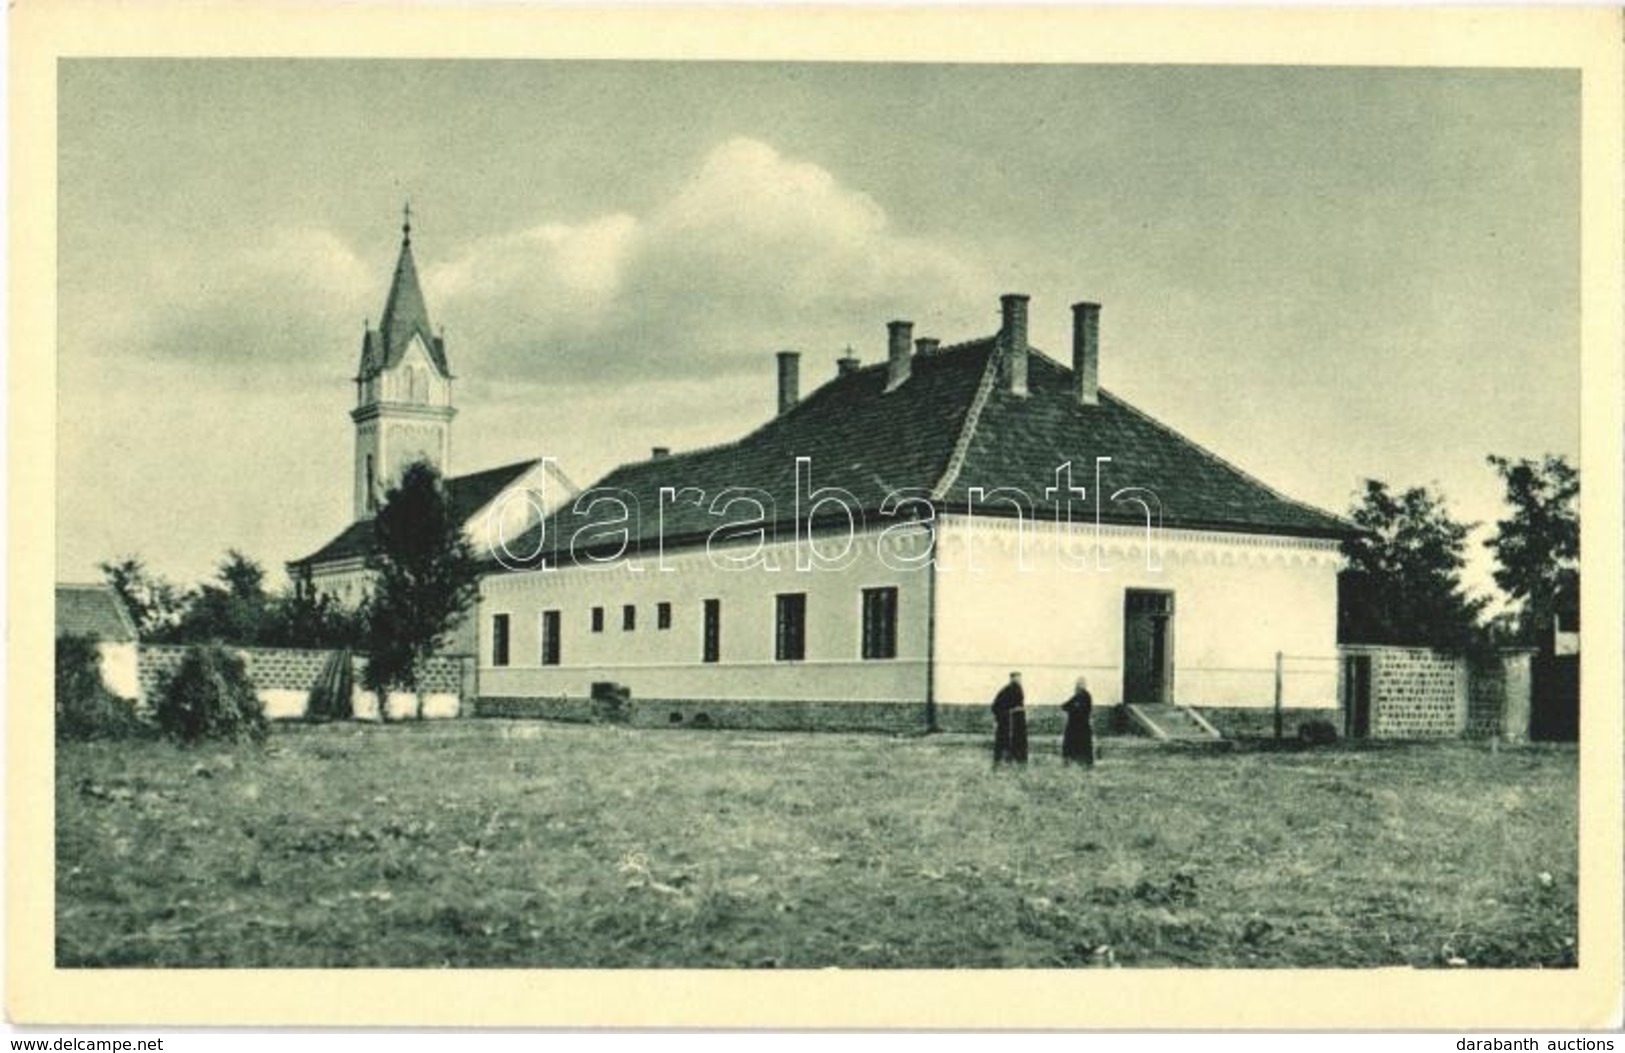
x=1322, y=274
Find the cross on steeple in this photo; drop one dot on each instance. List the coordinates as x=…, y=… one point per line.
x=406, y=222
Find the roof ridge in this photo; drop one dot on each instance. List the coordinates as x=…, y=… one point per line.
x=553, y=465
x=677, y=455
x=510, y=466
x=962, y=345
x=973, y=414
x=1203, y=450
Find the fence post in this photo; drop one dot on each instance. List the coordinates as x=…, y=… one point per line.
x=1278, y=728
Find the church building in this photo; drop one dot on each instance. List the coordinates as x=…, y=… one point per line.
x=403, y=414
x=884, y=551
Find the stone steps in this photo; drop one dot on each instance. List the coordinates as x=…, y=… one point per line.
x=1170, y=723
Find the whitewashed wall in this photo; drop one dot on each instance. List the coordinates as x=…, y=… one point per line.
x=1238, y=600
x=506, y=518
x=285, y=704
x=657, y=663
x=121, y=669
x=349, y=582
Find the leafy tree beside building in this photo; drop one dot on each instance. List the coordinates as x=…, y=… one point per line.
x=156, y=605
x=427, y=579
x=1537, y=547
x=1402, y=584
x=234, y=607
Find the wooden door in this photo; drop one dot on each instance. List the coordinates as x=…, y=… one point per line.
x=1357, y=695
x=1148, y=647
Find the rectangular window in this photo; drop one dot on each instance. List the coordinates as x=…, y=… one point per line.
x=499, y=639
x=598, y=619
x=663, y=616
x=880, y=623
x=713, y=631
x=550, y=637
x=629, y=618
x=790, y=636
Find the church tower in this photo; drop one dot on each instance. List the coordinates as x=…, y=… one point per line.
x=403, y=389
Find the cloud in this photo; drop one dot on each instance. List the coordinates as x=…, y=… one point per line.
x=751, y=253
x=284, y=299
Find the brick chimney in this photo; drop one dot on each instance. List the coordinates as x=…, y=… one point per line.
x=1014, y=333
x=789, y=380
x=1086, y=352
x=659, y=453
x=847, y=364
x=900, y=343
x=926, y=345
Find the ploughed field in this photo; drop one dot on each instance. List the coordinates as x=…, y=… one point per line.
x=495, y=843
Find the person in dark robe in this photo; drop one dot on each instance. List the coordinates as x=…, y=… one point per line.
x=1078, y=740
x=1010, y=723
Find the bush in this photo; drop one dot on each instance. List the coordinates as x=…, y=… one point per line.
x=210, y=696
x=85, y=709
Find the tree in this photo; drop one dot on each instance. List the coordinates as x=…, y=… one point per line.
x=210, y=696
x=427, y=579
x=85, y=709
x=1537, y=548
x=1402, y=584
x=236, y=609
x=317, y=621
x=156, y=606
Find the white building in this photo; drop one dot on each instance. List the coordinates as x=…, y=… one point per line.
x=884, y=551
x=96, y=611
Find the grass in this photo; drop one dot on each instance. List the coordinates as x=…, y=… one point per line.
x=493, y=843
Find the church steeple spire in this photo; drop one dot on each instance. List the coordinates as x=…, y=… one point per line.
x=403, y=389
x=405, y=313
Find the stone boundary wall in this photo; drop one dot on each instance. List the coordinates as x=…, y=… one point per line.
x=284, y=676
x=279, y=669
x=1417, y=693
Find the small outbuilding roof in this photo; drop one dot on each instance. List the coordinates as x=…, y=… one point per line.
x=93, y=610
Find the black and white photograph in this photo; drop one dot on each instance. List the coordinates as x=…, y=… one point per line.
x=749, y=514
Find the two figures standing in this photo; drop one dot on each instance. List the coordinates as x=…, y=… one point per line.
x=1010, y=725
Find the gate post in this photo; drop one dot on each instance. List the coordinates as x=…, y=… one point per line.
x=1278, y=727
